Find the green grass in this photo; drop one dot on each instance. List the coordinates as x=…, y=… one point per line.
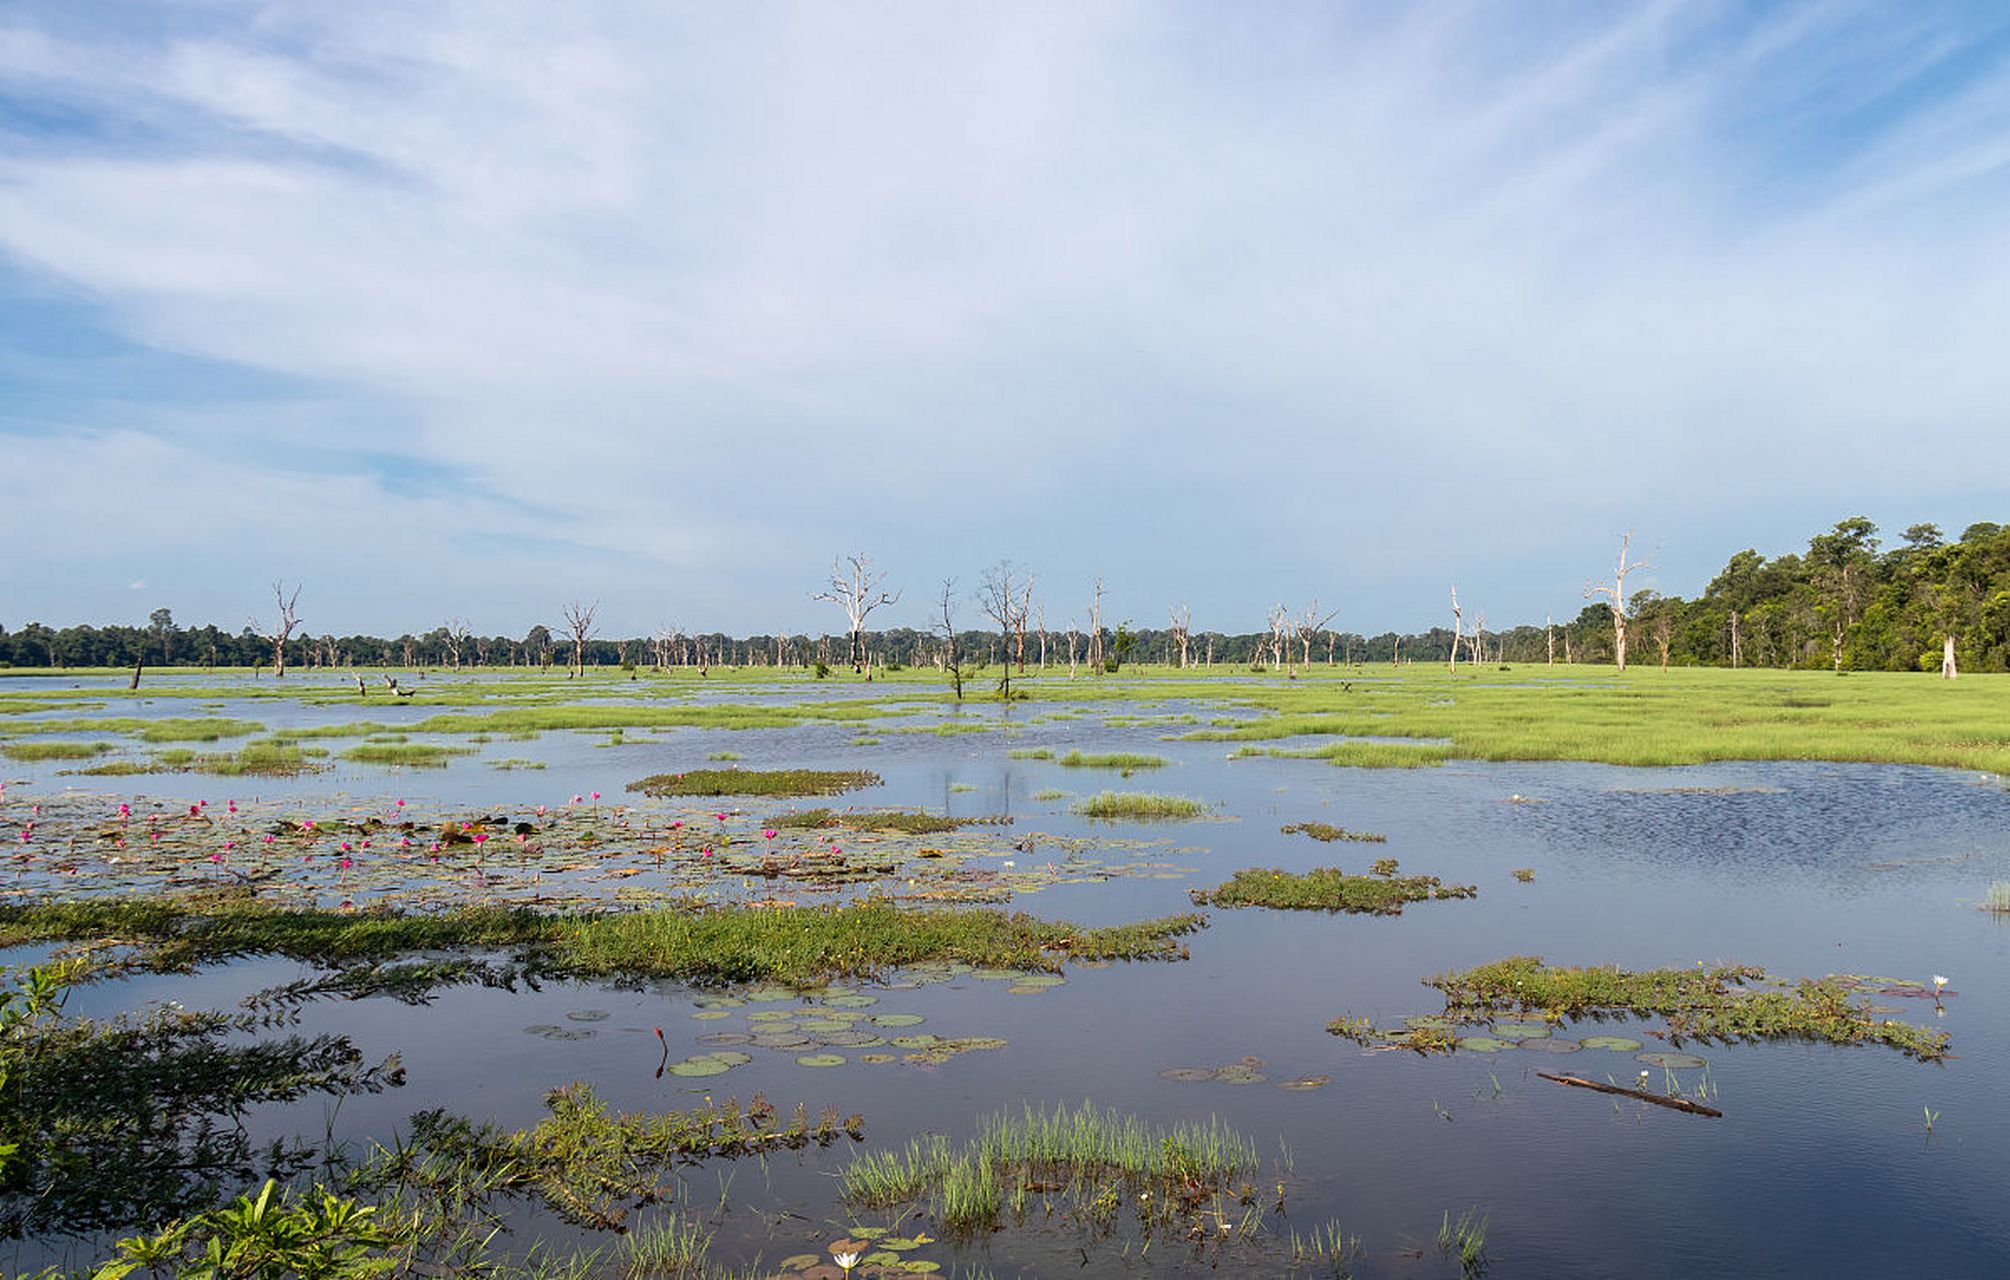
x=1646, y=716
x=1047, y=794
x=421, y=755
x=796, y=945
x=1700, y=1003
x=1097, y=1161
x=914, y=824
x=1142, y=806
x=1329, y=889
x=29, y=752
x=757, y=782
x=1124, y=760
x=1327, y=833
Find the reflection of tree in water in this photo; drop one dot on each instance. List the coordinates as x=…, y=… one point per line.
x=140, y=1118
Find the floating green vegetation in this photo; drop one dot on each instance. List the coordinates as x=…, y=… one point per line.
x=1328, y=833
x=417, y=755
x=1246, y=1070
x=795, y=945
x=1031, y=753
x=30, y=752
x=1099, y=1163
x=117, y=769
x=1700, y=1003
x=1124, y=760
x=1328, y=889
x=914, y=824
x=1048, y=794
x=1998, y=898
x=1141, y=806
x=515, y=762
x=757, y=782
x=1358, y=755
x=1525, y=874
x=722, y=755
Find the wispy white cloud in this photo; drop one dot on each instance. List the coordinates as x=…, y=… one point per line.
x=1334, y=301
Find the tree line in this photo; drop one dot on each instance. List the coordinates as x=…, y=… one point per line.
x=1848, y=602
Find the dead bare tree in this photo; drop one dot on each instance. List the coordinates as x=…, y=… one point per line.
x=999, y=597
x=1458, y=629
x=1024, y=609
x=454, y=635
x=855, y=588
x=282, y=630
x=1182, y=630
x=1616, y=594
x=665, y=643
x=579, y=621
x=1280, y=624
x=952, y=661
x=1549, y=635
x=1096, y=625
x=1309, y=623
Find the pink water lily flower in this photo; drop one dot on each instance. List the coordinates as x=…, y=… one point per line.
x=767, y=833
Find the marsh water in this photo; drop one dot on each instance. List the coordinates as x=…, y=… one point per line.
x=1822, y=1164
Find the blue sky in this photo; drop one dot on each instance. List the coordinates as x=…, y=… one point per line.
x=469, y=310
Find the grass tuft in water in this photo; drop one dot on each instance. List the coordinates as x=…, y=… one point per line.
x=1328, y=889
x=1327, y=833
x=757, y=782
x=1142, y=806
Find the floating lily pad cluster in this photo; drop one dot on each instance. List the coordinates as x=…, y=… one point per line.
x=829, y=1028
x=1246, y=1070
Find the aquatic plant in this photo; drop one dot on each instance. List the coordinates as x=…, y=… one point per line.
x=1141, y=806
x=1124, y=760
x=1327, y=833
x=756, y=782
x=1327, y=889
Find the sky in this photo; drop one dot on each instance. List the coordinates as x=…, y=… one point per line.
x=471, y=310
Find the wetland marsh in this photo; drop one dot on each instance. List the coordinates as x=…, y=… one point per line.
x=558, y=960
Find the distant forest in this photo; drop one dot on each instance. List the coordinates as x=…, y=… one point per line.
x=1847, y=603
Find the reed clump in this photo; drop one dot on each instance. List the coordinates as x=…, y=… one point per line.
x=1328, y=889
x=757, y=782
x=1140, y=806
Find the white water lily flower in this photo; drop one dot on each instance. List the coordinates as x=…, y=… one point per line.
x=846, y=1261
x=1938, y=982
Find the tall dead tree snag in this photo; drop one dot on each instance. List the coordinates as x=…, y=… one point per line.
x=1002, y=598
x=855, y=588
x=579, y=622
x=952, y=661
x=281, y=630
x=1616, y=595
x=1096, y=626
x=1309, y=623
x=1458, y=630
x=1182, y=630
x=1947, y=671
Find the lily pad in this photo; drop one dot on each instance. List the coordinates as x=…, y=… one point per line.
x=1240, y=1075
x=876, y=1059
x=821, y=1060
x=587, y=1015
x=1481, y=1044
x=1550, y=1044
x=1188, y=1075
x=731, y=1057
x=1617, y=1044
x=849, y=1039
x=700, y=1067
x=780, y=1040
x=1520, y=1030
x=769, y=995
x=1304, y=1083
x=1023, y=989
x=898, y=1020
x=709, y=1015
x=541, y=1029
x=1667, y=1058
x=853, y=1000
x=772, y=1015
x=725, y=1037
x=1000, y=975
x=922, y=1041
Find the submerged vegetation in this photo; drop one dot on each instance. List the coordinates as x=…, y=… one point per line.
x=1382, y=892
x=914, y=824
x=757, y=782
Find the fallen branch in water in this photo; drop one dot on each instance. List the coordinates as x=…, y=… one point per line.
x=1658, y=1099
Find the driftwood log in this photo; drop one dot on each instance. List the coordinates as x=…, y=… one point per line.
x=1658, y=1099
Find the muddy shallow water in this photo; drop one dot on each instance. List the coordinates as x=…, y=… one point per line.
x=1821, y=1165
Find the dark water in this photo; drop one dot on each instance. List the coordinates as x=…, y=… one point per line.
x=1822, y=1164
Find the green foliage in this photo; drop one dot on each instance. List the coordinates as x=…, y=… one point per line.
x=1140, y=806
x=757, y=782
x=1329, y=889
x=1327, y=833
